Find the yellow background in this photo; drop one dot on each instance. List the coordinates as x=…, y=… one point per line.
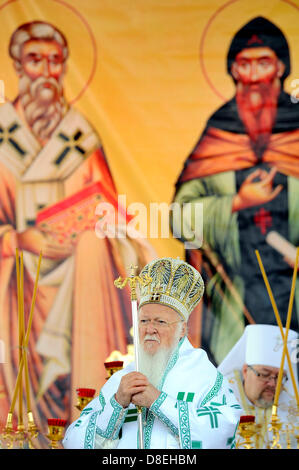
x=148, y=99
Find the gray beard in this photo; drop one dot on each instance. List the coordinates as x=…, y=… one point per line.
x=261, y=403
x=43, y=107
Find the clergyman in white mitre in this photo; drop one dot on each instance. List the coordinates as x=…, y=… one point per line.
x=252, y=368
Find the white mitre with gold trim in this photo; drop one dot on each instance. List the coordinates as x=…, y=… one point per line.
x=174, y=283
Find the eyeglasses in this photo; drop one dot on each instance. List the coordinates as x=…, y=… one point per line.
x=267, y=377
x=157, y=323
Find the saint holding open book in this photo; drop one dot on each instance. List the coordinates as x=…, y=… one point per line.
x=49, y=153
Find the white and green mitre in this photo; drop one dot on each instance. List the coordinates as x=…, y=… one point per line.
x=174, y=283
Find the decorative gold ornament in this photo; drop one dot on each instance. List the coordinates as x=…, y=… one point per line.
x=133, y=281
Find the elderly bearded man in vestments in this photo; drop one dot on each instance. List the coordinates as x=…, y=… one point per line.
x=244, y=170
x=252, y=368
x=186, y=403
x=79, y=314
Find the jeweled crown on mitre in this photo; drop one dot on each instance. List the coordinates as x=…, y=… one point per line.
x=174, y=283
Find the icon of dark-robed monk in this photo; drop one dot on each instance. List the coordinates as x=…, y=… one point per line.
x=244, y=169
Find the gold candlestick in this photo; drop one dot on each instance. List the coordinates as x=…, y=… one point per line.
x=247, y=430
x=55, y=431
x=8, y=432
x=32, y=428
x=288, y=431
x=275, y=427
x=84, y=396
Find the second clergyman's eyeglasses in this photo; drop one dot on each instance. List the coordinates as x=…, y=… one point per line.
x=267, y=377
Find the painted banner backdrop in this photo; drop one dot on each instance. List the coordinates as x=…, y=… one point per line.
x=138, y=105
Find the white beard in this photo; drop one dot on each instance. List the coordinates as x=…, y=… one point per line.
x=153, y=365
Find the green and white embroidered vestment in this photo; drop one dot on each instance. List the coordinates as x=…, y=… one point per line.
x=196, y=409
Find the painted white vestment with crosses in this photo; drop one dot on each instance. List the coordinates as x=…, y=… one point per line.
x=195, y=410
